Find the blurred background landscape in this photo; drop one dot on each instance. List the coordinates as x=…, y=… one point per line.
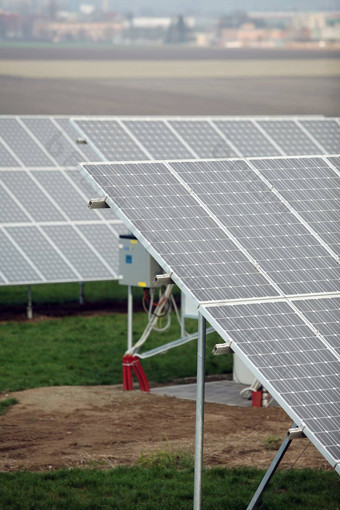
x=190, y=57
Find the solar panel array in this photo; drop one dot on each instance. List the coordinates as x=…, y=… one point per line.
x=232, y=237
x=137, y=138
x=47, y=232
x=40, y=188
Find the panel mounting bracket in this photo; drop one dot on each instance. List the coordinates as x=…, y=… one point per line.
x=162, y=279
x=296, y=433
x=98, y=203
x=222, y=349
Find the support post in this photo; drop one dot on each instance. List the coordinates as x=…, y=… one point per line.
x=200, y=387
x=130, y=318
x=81, y=293
x=270, y=472
x=182, y=316
x=29, y=303
x=182, y=324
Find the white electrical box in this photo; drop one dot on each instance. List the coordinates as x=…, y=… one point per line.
x=136, y=266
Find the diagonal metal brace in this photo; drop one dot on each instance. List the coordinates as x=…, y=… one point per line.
x=271, y=470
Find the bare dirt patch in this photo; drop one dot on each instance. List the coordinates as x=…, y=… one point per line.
x=62, y=427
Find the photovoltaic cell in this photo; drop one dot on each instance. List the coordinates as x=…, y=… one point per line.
x=326, y=132
x=312, y=188
x=247, y=138
x=111, y=140
x=289, y=136
x=54, y=141
x=324, y=314
x=158, y=139
x=288, y=253
x=22, y=144
x=294, y=364
x=37, y=248
x=203, y=139
x=30, y=196
x=187, y=239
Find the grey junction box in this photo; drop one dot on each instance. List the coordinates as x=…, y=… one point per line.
x=136, y=266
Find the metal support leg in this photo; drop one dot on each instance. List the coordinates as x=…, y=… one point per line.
x=182, y=325
x=81, y=293
x=271, y=470
x=182, y=315
x=29, y=303
x=202, y=324
x=130, y=318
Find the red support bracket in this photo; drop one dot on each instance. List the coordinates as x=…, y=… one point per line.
x=132, y=363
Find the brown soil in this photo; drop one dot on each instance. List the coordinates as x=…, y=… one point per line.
x=47, y=311
x=62, y=427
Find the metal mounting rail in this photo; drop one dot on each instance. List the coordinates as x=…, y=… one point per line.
x=171, y=345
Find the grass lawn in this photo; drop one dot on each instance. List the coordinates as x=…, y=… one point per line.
x=88, y=350
x=127, y=488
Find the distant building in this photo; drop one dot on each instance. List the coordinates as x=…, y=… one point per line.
x=77, y=31
x=270, y=29
x=248, y=35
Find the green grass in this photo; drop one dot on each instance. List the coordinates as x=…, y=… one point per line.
x=166, y=458
x=272, y=442
x=88, y=350
x=6, y=404
x=126, y=488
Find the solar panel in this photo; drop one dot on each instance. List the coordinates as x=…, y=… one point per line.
x=111, y=140
x=254, y=216
x=79, y=252
x=323, y=314
x=22, y=185
x=101, y=236
x=23, y=144
x=247, y=138
x=203, y=138
x=37, y=247
x=55, y=143
x=10, y=212
x=289, y=136
x=6, y=158
x=297, y=367
x=43, y=192
x=36, y=193
x=158, y=139
x=326, y=132
x=312, y=188
x=187, y=239
x=15, y=265
x=59, y=186
x=289, y=339
x=72, y=134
